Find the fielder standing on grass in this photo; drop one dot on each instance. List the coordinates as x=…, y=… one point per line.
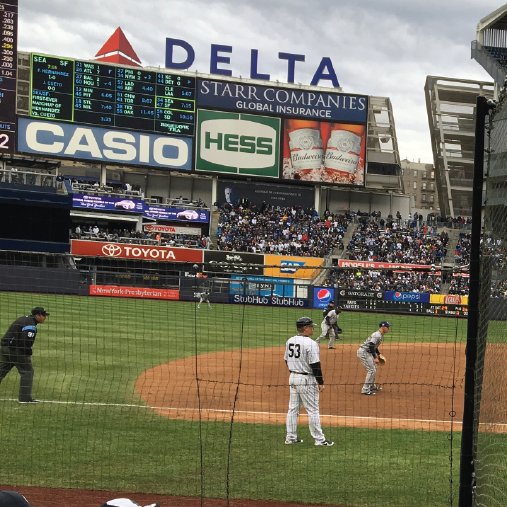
x=203, y=298
x=302, y=357
x=16, y=351
x=370, y=356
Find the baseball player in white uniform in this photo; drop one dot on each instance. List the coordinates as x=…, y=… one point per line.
x=302, y=356
x=203, y=298
x=368, y=353
x=329, y=327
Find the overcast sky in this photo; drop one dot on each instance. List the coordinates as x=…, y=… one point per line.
x=377, y=47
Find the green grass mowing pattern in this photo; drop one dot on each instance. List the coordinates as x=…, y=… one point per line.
x=91, y=351
x=104, y=448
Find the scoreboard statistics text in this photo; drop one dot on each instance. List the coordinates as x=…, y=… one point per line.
x=8, y=74
x=102, y=95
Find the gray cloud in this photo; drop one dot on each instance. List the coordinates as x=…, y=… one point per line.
x=382, y=47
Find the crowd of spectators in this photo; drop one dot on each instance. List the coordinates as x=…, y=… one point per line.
x=499, y=289
x=125, y=235
x=376, y=240
x=462, y=252
x=460, y=284
x=382, y=280
x=280, y=230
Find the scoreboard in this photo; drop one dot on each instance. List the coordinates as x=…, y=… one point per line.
x=8, y=74
x=372, y=304
x=63, y=89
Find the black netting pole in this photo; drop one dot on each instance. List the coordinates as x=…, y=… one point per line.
x=467, y=472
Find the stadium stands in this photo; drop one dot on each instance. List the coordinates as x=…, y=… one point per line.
x=382, y=280
x=391, y=241
x=277, y=230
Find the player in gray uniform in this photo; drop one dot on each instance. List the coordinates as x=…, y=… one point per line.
x=302, y=357
x=329, y=327
x=368, y=353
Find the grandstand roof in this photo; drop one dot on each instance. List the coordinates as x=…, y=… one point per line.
x=496, y=20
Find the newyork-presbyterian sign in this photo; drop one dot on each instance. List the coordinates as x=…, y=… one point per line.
x=137, y=252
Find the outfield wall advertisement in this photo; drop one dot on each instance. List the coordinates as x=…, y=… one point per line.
x=138, y=252
x=134, y=292
x=114, y=115
x=216, y=261
x=238, y=143
x=285, y=266
x=233, y=191
x=281, y=102
x=67, y=140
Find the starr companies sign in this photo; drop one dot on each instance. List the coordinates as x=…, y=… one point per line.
x=138, y=252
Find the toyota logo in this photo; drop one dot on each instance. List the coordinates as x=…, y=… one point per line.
x=111, y=250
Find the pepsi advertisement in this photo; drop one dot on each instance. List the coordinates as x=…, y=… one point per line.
x=322, y=296
x=407, y=297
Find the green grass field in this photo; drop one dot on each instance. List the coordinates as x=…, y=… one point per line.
x=93, y=430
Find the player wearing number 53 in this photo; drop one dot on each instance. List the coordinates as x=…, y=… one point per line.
x=16, y=350
x=306, y=381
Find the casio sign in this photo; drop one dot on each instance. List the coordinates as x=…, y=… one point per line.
x=120, y=146
x=238, y=143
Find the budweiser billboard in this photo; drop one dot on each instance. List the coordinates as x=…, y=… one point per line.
x=134, y=292
x=137, y=252
x=346, y=263
x=172, y=229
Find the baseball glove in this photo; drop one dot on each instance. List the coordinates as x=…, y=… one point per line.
x=382, y=359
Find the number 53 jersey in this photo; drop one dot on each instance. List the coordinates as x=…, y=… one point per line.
x=300, y=353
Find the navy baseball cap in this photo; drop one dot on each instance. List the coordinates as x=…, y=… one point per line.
x=384, y=323
x=38, y=310
x=13, y=499
x=304, y=321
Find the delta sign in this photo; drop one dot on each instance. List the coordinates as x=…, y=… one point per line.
x=180, y=55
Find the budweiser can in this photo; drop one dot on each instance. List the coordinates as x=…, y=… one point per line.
x=305, y=145
x=343, y=152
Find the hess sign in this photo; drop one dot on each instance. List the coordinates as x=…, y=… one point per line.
x=220, y=59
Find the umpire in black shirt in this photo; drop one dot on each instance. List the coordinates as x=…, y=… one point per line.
x=16, y=351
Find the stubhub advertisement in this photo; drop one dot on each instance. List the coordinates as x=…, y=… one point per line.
x=261, y=286
x=322, y=296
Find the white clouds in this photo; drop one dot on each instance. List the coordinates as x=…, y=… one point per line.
x=381, y=47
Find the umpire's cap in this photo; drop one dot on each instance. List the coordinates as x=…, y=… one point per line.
x=38, y=310
x=303, y=322
x=384, y=323
x=13, y=499
x=125, y=502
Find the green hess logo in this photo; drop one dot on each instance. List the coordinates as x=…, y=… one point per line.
x=238, y=143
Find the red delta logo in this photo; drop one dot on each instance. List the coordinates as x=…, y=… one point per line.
x=324, y=296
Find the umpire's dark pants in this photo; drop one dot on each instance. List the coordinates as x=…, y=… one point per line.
x=11, y=357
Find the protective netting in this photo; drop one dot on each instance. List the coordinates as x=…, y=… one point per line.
x=168, y=398
x=491, y=376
